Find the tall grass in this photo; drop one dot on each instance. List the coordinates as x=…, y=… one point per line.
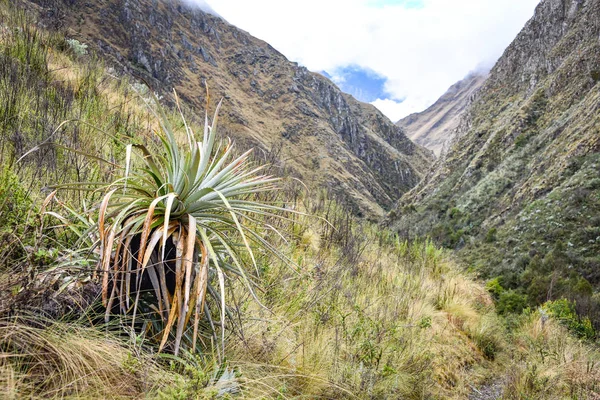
x=400, y=320
x=68, y=105
x=548, y=363
x=366, y=315
x=49, y=95
x=51, y=359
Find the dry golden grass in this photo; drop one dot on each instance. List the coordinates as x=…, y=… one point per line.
x=64, y=360
x=371, y=318
x=366, y=317
x=548, y=363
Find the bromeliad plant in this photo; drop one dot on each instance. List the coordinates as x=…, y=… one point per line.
x=179, y=215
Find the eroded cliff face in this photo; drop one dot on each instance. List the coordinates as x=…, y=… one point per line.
x=434, y=127
x=316, y=132
x=521, y=180
x=558, y=28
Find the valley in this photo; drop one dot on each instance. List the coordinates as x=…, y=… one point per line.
x=185, y=213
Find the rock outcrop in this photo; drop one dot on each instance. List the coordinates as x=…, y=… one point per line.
x=519, y=188
x=435, y=126
x=313, y=130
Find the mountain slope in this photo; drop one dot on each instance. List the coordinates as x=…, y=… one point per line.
x=364, y=315
x=519, y=189
x=435, y=126
x=323, y=136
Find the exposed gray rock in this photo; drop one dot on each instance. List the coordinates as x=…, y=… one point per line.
x=435, y=127
x=365, y=158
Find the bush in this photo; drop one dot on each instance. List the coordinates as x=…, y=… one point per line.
x=182, y=218
x=564, y=311
x=80, y=49
x=490, y=237
x=521, y=140
x=511, y=302
x=495, y=288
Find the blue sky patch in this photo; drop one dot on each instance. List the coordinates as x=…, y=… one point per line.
x=364, y=84
x=396, y=3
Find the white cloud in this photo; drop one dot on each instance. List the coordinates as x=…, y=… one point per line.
x=396, y=109
x=421, y=51
x=203, y=5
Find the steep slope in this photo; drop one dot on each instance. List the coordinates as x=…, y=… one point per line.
x=323, y=136
x=519, y=188
x=435, y=126
x=363, y=316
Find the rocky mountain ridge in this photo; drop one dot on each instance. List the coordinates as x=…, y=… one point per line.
x=305, y=123
x=519, y=189
x=435, y=126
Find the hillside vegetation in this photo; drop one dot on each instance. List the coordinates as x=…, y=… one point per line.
x=347, y=309
x=518, y=191
x=309, y=127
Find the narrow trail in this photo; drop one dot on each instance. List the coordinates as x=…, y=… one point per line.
x=490, y=391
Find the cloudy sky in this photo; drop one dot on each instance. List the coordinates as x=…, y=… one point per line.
x=400, y=55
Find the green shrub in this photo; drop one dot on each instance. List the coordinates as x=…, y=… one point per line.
x=495, y=288
x=564, y=311
x=490, y=236
x=582, y=287
x=521, y=140
x=511, y=302
x=80, y=49
x=425, y=322
x=454, y=213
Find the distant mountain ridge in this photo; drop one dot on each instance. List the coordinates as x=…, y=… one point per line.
x=519, y=189
x=312, y=129
x=435, y=126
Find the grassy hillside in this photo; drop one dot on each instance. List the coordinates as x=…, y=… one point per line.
x=358, y=313
x=271, y=103
x=365, y=318
x=518, y=191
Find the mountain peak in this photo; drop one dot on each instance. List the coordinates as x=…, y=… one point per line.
x=324, y=137
x=435, y=126
x=519, y=187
